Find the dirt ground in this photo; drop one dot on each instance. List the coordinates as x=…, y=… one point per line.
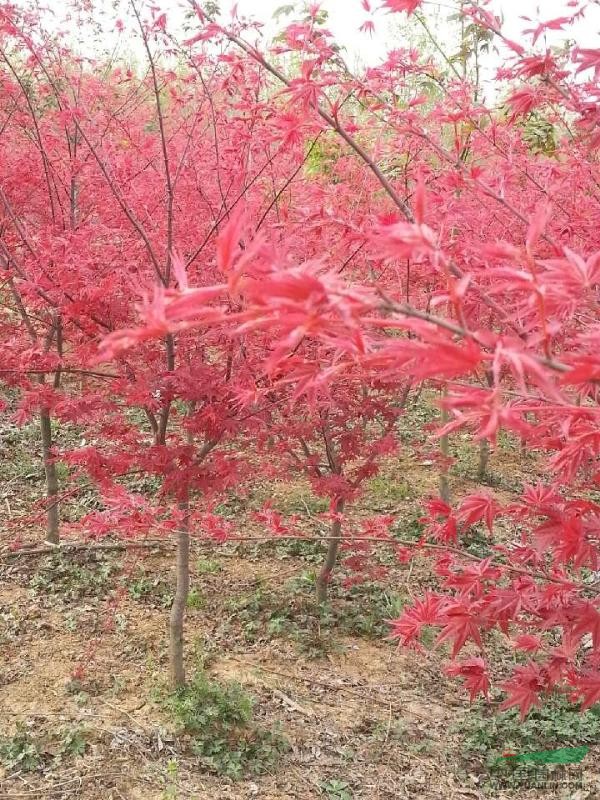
x=83, y=644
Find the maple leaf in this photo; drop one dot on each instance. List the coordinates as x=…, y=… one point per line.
x=477, y=507
x=409, y=625
x=474, y=673
x=530, y=66
x=402, y=5
x=273, y=520
x=209, y=31
x=537, y=225
x=524, y=688
x=587, y=58
x=562, y=658
x=462, y=622
x=588, y=621
x=216, y=527
x=556, y=24
x=523, y=101
x=228, y=242
x=527, y=642
x=406, y=240
x=587, y=687
x=473, y=579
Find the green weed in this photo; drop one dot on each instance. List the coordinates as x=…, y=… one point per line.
x=556, y=724
x=151, y=590
x=21, y=751
x=219, y=718
x=208, y=566
x=385, y=492
x=336, y=790
x=73, y=578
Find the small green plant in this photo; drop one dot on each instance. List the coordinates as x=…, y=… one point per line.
x=148, y=590
x=303, y=583
x=477, y=541
x=170, y=793
x=249, y=611
x=219, y=718
x=232, y=507
x=367, y=608
x=74, y=578
x=336, y=790
x=73, y=742
x=386, y=492
x=410, y=529
x=195, y=599
x=313, y=634
x=311, y=552
x=208, y=566
x=555, y=724
x=294, y=498
x=20, y=752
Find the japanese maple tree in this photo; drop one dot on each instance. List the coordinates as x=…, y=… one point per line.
x=231, y=251
x=503, y=311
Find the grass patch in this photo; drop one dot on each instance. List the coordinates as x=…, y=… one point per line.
x=75, y=576
x=486, y=736
x=153, y=591
x=296, y=616
x=219, y=718
x=384, y=492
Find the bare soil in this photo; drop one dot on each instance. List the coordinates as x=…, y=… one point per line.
x=85, y=648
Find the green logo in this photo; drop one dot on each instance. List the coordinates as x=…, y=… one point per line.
x=564, y=755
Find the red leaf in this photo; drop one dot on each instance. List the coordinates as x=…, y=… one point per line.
x=408, y=627
x=588, y=687
x=475, y=676
x=462, y=624
x=477, y=507
x=528, y=643
x=588, y=621
x=228, y=242
x=402, y=5
x=524, y=688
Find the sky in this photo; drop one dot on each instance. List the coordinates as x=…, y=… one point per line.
x=346, y=17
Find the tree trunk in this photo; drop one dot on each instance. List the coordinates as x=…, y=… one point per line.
x=484, y=458
x=331, y=557
x=445, y=450
x=163, y=423
x=52, y=516
x=177, y=616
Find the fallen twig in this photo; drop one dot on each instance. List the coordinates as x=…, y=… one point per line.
x=291, y=704
x=70, y=547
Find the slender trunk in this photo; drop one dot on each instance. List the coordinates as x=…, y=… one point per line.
x=484, y=457
x=484, y=444
x=523, y=447
x=445, y=450
x=52, y=512
x=177, y=616
x=52, y=517
x=331, y=557
x=163, y=422
x=444, y=484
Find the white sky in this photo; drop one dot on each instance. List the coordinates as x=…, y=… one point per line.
x=346, y=17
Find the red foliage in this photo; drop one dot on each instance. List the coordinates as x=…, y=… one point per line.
x=275, y=266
